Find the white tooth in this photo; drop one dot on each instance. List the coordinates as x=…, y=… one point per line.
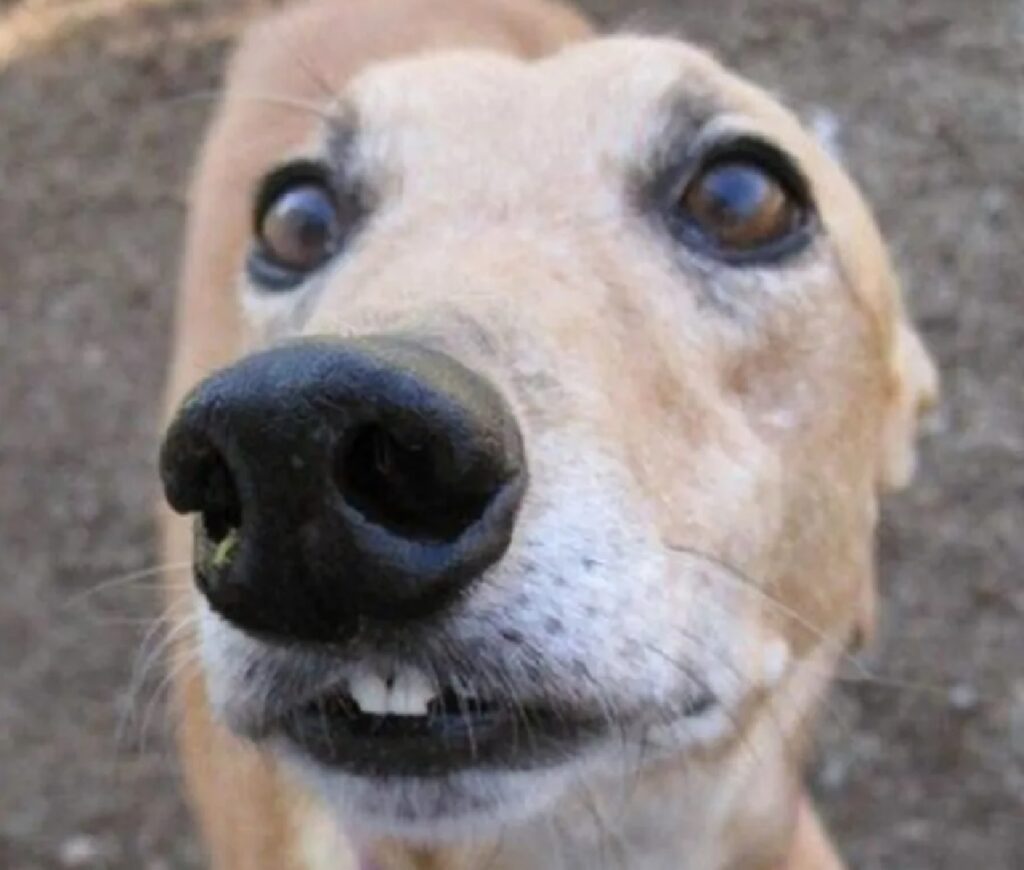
x=410, y=694
x=370, y=693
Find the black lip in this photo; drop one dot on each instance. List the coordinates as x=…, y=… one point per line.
x=334, y=733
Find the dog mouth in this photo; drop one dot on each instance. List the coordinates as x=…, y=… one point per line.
x=407, y=725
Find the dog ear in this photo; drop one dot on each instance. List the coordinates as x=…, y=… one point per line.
x=913, y=390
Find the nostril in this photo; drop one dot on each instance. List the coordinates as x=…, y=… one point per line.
x=220, y=506
x=401, y=483
x=197, y=480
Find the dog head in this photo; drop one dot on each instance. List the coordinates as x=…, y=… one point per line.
x=555, y=404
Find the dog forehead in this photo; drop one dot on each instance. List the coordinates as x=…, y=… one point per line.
x=588, y=114
x=612, y=93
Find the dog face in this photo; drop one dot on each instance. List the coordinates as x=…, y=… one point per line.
x=683, y=313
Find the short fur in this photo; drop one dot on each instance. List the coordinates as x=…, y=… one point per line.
x=707, y=444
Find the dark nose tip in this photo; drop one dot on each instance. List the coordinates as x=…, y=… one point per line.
x=336, y=480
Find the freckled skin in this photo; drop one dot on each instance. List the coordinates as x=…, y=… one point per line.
x=706, y=444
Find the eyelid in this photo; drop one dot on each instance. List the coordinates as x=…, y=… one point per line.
x=728, y=135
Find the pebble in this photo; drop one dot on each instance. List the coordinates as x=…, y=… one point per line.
x=963, y=697
x=80, y=850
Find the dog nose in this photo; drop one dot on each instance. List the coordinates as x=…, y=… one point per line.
x=341, y=480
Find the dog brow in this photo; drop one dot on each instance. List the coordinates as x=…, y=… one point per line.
x=682, y=116
x=342, y=135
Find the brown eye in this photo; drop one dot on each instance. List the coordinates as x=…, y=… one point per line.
x=299, y=227
x=742, y=207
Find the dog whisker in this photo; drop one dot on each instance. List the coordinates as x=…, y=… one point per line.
x=163, y=573
x=282, y=101
x=835, y=645
x=328, y=89
x=159, y=693
x=152, y=650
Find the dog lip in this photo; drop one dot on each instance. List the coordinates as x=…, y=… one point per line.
x=458, y=733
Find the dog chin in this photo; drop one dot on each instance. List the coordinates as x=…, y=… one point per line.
x=456, y=807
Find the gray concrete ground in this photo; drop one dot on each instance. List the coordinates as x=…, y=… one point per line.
x=923, y=769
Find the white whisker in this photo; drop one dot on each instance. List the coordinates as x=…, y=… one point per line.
x=279, y=100
x=132, y=578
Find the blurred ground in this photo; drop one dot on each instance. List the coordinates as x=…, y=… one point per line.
x=925, y=771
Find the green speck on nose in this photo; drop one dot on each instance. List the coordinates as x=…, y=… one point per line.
x=225, y=550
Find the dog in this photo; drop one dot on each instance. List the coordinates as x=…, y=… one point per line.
x=531, y=401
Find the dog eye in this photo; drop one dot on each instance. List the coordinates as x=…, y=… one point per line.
x=299, y=227
x=302, y=218
x=745, y=206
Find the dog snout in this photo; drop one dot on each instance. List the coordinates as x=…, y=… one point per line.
x=340, y=480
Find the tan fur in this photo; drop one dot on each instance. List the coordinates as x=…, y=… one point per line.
x=503, y=230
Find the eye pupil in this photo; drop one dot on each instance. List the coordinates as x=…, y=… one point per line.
x=299, y=228
x=734, y=194
x=739, y=206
